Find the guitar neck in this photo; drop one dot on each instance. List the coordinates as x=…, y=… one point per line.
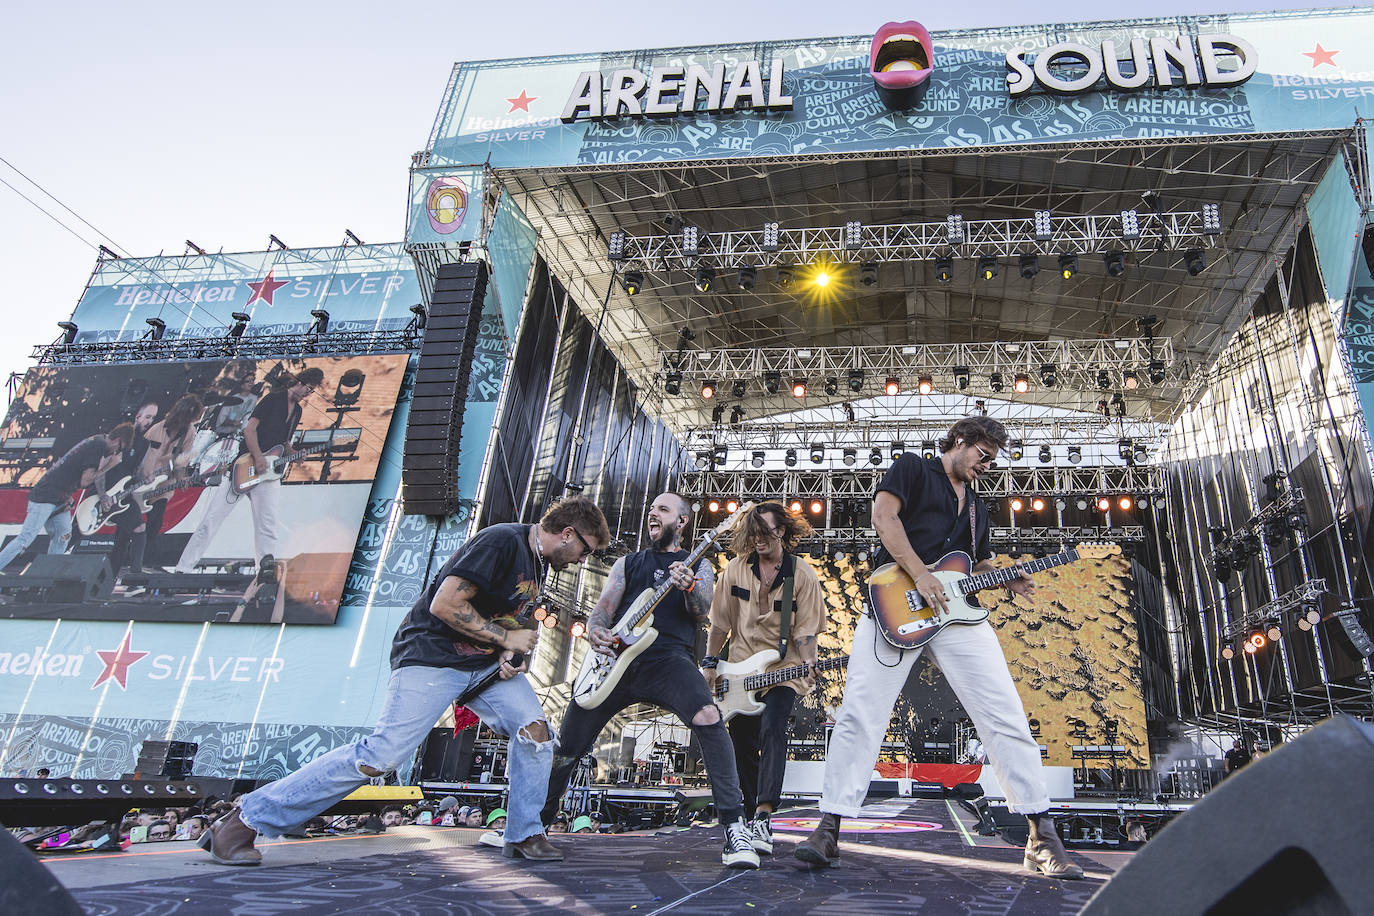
x=790, y=673
x=629, y=623
x=981, y=581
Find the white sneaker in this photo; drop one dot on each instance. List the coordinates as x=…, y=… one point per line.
x=495, y=838
x=739, y=846
x=762, y=832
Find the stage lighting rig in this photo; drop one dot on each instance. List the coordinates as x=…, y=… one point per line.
x=321, y=323
x=1195, y=261
x=156, y=328
x=772, y=381
x=240, y=324
x=708, y=389
x=987, y=267
x=421, y=317
x=785, y=276
x=1115, y=262
x=69, y=330
x=856, y=380
x=961, y=377
x=748, y=277
x=1068, y=265
x=832, y=385
x=705, y=279
x=944, y=268
x=1029, y=265
x=868, y=274
x=633, y=282
x=1049, y=375
x=756, y=459
x=738, y=387
x=672, y=383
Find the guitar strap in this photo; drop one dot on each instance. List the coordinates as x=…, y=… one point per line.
x=785, y=624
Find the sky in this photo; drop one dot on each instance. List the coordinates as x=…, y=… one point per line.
x=223, y=123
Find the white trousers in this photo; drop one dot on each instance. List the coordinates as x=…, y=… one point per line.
x=223, y=501
x=971, y=659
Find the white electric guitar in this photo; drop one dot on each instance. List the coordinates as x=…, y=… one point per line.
x=635, y=632
x=738, y=683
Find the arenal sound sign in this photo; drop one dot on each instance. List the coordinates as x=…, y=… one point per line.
x=1070, y=67
x=666, y=91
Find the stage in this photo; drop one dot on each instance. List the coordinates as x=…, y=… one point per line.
x=907, y=857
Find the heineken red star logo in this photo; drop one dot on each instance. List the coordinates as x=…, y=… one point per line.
x=1321, y=56
x=264, y=289
x=521, y=101
x=117, y=663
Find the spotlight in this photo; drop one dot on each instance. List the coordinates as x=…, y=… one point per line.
x=1303, y=624
x=236, y=330
x=1254, y=642
x=551, y=621
x=1075, y=454
x=853, y=235
x=1029, y=265
x=785, y=275
x=706, y=278
x=821, y=278
x=944, y=269
x=1211, y=219
x=928, y=449
x=790, y=458
x=713, y=506
x=1156, y=372
x=875, y=457
x=1140, y=453
x=1124, y=448
x=708, y=389
x=995, y=382
x=540, y=612
x=1104, y=379
x=1017, y=450
x=615, y=248
x=987, y=267
x=795, y=506
x=1049, y=375
x=691, y=241
x=1228, y=651
x=578, y=629
x=832, y=385
x=961, y=377
x=1037, y=504
x=1022, y=384
x=748, y=277
x=1068, y=265
x=770, y=236
x=1125, y=503
x=1196, y=261
x=1116, y=263
x=1016, y=504
x=717, y=414
x=898, y=448
x=672, y=383
x=1103, y=504
x=732, y=506
x=868, y=274
x=954, y=229
x=817, y=453
x=703, y=460
x=1130, y=379
x=1081, y=504
x=1044, y=229
x=633, y=281
x=1312, y=614
x=892, y=387
x=756, y=459
x=772, y=379
x=1272, y=631
x=156, y=328
x=816, y=507
x=1046, y=456
x=799, y=388
x=856, y=380
x=851, y=457
x=1130, y=224
x=738, y=387
x=924, y=385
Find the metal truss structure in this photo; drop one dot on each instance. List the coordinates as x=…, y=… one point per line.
x=1076, y=364
x=1282, y=610
x=255, y=346
x=954, y=237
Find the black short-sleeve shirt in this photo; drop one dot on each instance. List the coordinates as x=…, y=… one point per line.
x=277, y=420
x=677, y=628
x=499, y=561
x=929, y=510
x=64, y=478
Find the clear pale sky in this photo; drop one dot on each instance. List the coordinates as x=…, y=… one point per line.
x=224, y=122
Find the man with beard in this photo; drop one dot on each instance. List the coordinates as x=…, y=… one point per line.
x=472, y=619
x=663, y=674
x=129, y=521
x=924, y=509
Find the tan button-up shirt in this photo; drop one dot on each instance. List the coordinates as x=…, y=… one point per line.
x=754, y=619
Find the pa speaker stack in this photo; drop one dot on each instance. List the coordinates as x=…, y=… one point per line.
x=1290, y=833
x=429, y=466
x=166, y=759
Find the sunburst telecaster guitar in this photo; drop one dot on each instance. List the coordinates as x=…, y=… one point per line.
x=246, y=476
x=635, y=632
x=738, y=683
x=906, y=619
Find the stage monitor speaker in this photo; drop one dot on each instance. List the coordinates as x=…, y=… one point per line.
x=448, y=758
x=29, y=887
x=1289, y=833
x=627, y=750
x=429, y=464
x=76, y=577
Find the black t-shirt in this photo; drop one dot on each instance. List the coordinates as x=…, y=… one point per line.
x=1237, y=757
x=499, y=561
x=277, y=420
x=130, y=459
x=930, y=511
x=677, y=628
x=64, y=478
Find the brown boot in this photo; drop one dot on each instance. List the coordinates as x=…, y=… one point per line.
x=1045, y=853
x=536, y=848
x=822, y=847
x=230, y=841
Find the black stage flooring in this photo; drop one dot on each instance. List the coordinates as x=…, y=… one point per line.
x=909, y=857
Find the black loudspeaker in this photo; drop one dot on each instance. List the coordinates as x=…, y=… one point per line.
x=1290, y=833
x=28, y=886
x=74, y=578
x=429, y=465
x=448, y=758
x=1367, y=243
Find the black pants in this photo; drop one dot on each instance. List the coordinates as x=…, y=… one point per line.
x=673, y=682
x=134, y=547
x=761, y=749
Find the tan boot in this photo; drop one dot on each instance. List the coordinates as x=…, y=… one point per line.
x=230, y=841
x=536, y=848
x=822, y=847
x=1045, y=853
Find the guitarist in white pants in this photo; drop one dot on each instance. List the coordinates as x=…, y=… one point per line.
x=664, y=674
x=753, y=597
x=922, y=511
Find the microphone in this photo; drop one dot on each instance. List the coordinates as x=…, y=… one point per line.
x=475, y=689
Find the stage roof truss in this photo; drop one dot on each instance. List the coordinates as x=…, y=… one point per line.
x=862, y=483
x=872, y=432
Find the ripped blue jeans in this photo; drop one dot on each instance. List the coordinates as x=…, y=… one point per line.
x=415, y=699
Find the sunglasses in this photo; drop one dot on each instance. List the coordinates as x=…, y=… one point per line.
x=587, y=549
x=984, y=457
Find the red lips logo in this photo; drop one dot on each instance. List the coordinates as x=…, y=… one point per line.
x=901, y=60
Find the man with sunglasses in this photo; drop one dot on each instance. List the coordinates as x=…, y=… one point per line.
x=924, y=509
x=474, y=617
x=665, y=674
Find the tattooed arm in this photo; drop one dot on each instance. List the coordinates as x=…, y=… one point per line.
x=452, y=605
x=603, y=615
x=700, y=596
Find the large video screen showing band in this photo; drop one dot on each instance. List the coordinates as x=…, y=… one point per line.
x=228, y=491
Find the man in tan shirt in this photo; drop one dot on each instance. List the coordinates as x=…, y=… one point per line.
x=748, y=608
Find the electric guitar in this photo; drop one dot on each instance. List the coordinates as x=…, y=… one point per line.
x=246, y=476
x=907, y=621
x=92, y=514
x=635, y=632
x=738, y=683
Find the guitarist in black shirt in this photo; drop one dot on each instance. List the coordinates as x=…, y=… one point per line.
x=665, y=674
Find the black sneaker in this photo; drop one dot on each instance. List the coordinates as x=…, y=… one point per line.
x=762, y=832
x=739, y=846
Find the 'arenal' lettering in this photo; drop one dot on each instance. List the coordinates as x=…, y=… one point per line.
x=667, y=91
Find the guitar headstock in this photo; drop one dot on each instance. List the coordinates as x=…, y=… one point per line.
x=733, y=520
x=1097, y=550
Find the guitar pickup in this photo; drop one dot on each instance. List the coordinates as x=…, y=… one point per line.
x=917, y=626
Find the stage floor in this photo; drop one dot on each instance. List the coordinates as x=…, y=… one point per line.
x=908, y=857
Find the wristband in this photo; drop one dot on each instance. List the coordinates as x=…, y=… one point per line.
x=710, y=661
